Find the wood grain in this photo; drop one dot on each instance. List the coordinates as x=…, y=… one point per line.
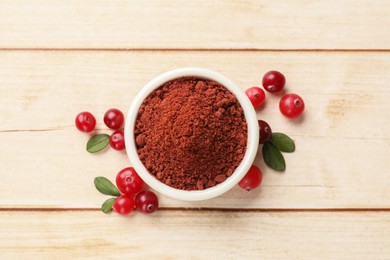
x=58, y=58
x=195, y=235
x=233, y=24
x=343, y=142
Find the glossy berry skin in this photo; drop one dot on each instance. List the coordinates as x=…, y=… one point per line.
x=123, y=205
x=252, y=179
x=256, y=95
x=291, y=105
x=117, y=140
x=273, y=81
x=85, y=122
x=114, y=118
x=265, y=131
x=128, y=181
x=146, y=202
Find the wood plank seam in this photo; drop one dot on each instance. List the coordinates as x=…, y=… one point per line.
x=203, y=209
x=194, y=49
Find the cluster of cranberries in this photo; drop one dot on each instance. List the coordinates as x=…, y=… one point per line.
x=130, y=185
x=290, y=105
x=113, y=119
x=127, y=180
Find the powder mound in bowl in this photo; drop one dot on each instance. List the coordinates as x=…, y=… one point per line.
x=191, y=133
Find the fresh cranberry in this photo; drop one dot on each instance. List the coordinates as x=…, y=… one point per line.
x=85, y=122
x=114, y=118
x=291, y=105
x=117, y=140
x=265, y=131
x=252, y=179
x=146, y=202
x=124, y=204
x=128, y=181
x=273, y=81
x=256, y=95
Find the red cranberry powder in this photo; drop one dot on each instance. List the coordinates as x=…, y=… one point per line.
x=191, y=133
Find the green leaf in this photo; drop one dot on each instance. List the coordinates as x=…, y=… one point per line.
x=283, y=142
x=98, y=143
x=106, y=187
x=273, y=157
x=107, y=205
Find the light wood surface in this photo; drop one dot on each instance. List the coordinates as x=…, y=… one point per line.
x=60, y=58
x=195, y=234
x=204, y=24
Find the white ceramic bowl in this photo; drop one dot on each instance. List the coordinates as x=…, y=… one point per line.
x=241, y=170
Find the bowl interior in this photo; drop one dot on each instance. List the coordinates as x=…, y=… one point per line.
x=252, y=136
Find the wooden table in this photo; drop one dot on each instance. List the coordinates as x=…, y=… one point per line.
x=57, y=59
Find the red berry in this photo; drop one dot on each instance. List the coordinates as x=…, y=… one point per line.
x=146, y=202
x=117, y=140
x=124, y=204
x=291, y=105
x=252, y=179
x=114, y=118
x=265, y=131
x=128, y=181
x=273, y=81
x=256, y=95
x=85, y=122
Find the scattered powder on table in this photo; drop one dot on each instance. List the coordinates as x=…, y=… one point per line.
x=191, y=133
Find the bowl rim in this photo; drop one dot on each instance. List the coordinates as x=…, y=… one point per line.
x=252, y=135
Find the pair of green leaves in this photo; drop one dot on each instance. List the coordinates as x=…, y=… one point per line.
x=97, y=143
x=106, y=187
x=272, y=151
